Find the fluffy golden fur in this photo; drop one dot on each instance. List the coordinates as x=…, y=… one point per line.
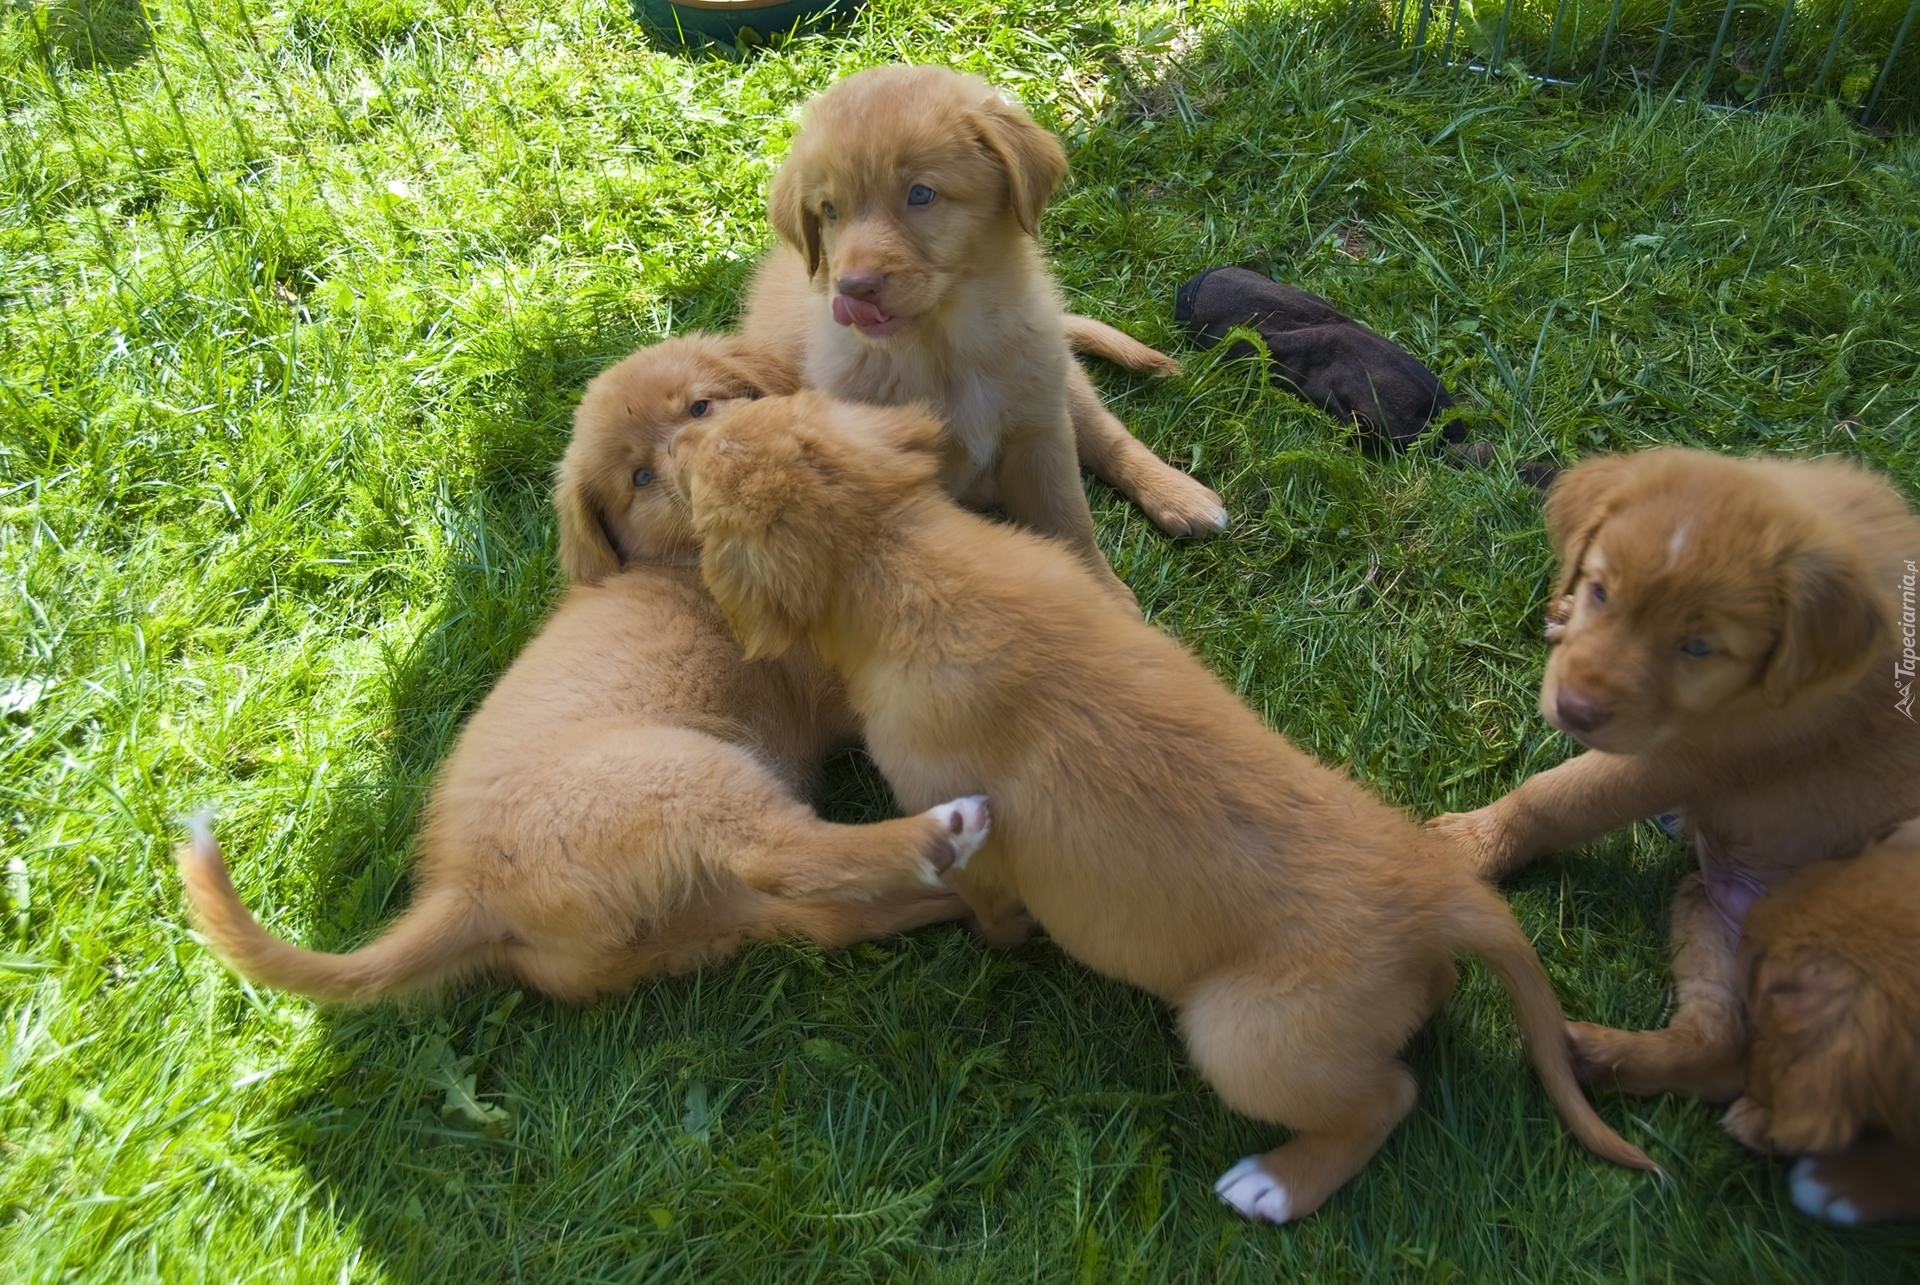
x=1727, y=638
x=947, y=302
x=1303, y=929
x=627, y=800
x=1831, y=962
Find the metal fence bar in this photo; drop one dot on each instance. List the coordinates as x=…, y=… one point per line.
x=1420, y=32
x=1559, y=12
x=1886, y=69
x=1719, y=39
x=1606, y=38
x=1500, y=36
x=1446, y=46
x=1660, y=54
x=1833, y=46
x=1773, y=54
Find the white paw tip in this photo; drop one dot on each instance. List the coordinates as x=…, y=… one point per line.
x=200, y=829
x=1810, y=1196
x=1253, y=1192
x=967, y=822
x=1220, y=520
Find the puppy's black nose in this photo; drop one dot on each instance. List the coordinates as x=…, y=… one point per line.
x=863, y=285
x=1580, y=713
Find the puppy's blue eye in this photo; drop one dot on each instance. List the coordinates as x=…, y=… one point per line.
x=919, y=195
x=1697, y=647
x=1599, y=592
x=699, y=408
x=643, y=477
x=827, y=211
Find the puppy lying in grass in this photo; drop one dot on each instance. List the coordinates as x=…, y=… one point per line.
x=1725, y=642
x=1303, y=929
x=1831, y=964
x=910, y=272
x=627, y=800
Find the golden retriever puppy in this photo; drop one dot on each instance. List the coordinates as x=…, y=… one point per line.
x=1303, y=929
x=627, y=800
x=1732, y=639
x=909, y=207
x=1831, y=961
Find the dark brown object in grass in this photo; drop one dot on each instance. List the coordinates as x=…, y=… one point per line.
x=1319, y=353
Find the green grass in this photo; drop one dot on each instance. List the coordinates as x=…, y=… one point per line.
x=1618, y=42
x=295, y=299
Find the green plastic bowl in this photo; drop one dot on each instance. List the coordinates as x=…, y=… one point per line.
x=735, y=23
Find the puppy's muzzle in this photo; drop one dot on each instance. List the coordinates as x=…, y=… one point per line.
x=1579, y=712
x=862, y=285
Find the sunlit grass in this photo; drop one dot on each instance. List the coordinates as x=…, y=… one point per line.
x=295, y=300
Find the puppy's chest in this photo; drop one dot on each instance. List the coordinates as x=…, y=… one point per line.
x=977, y=406
x=976, y=411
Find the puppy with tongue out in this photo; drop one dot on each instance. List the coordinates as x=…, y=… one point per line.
x=871, y=321
x=909, y=272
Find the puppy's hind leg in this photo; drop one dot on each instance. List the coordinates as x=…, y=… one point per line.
x=835, y=925
x=636, y=868
x=798, y=856
x=1702, y=1051
x=1175, y=502
x=1098, y=339
x=1301, y=1060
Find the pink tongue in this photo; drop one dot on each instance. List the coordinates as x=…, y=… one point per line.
x=849, y=311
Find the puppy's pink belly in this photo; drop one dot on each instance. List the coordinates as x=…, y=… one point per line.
x=1733, y=882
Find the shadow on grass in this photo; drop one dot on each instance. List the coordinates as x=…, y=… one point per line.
x=94, y=34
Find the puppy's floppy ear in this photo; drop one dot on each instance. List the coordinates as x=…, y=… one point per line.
x=1815, y=1051
x=798, y=226
x=766, y=543
x=1032, y=158
x=587, y=553
x=1576, y=506
x=762, y=370
x=1834, y=622
x=1804, y=993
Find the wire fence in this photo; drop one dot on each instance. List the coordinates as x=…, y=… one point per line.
x=1864, y=54
x=131, y=104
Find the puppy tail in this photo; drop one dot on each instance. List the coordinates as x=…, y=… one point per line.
x=1486, y=927
x=1101, y=340
x=433, y=939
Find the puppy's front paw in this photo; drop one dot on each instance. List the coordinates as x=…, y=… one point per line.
x=1181, y=506
x=964, y=825
x=1558, y=613
x=1815, y=1193
x=1875, y=1180
x=1480, y=839
x=1254, y=1193
x=1748, y=1123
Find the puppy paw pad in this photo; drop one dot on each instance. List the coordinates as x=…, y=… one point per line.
x=966, y=822
x=1254, y=1193
x=1812, y=1196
